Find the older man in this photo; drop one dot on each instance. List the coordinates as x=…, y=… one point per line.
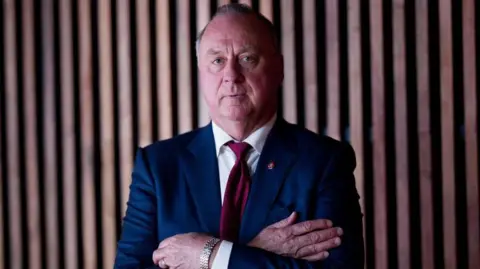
x=248, y=190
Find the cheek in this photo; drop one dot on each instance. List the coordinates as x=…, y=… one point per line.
x=210, y=84
x=260, y=85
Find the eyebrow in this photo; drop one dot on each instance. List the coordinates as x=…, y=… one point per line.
x=214, y=52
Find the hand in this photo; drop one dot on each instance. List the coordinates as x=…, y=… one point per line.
x=181, y=251
x=307, y=240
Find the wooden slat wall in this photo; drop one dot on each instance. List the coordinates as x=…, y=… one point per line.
x=310, y=65
x=50, y=152
x=288, y=50
x=471, y=133
x=424, y=134
x=401, y=133
x=447, y=132
x=87, y=82
x=10, y=128
x=31, y=121
x=68, y=136
x=107, y=134
x=144, y=73
x=203, y=16
x=125, y=118
x=378, y=133
x=85, y=88
x=355, y=93
x=184, y=74
x=333, y=68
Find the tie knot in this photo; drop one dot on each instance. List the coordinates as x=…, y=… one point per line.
x=240, y=149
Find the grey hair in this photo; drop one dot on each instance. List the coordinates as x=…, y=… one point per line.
x=241, y=9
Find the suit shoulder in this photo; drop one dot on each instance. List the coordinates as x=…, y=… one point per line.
x=170, y=146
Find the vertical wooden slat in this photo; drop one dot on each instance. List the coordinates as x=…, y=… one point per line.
x=107, y=137
x=448, y=153
x=86, y=107
x=378, y=122
x=288, y=50
x=11, y=101
x=184, y=75
x=310, y=65
x=164, y=108
x=49, y=135
x=68, y=134
x=203, y=16
x=124, y=95
x=28, y=76
x=266, y=8
x=355, y=93
x=333, y=71
x=246, y=2
x=144, y=74
x=401, y=134
x=471, y=143
x=424, y=138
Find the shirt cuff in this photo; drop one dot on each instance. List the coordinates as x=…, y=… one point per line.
x=223, y=255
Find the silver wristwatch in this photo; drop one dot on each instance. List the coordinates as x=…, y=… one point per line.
x=207, y=252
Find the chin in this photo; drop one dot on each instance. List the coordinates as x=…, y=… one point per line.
x=237, y=114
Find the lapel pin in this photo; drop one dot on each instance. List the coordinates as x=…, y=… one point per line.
x=271, y=165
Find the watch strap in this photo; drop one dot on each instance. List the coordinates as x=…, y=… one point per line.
x=207, y=252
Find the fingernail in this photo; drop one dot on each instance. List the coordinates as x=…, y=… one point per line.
x=326, y=254
x=337, y=241
x=329, y=223
x=339, y=231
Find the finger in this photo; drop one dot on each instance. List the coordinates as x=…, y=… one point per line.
x=159, y=255
x=318, y=248
x=285, y=222
x=317, y=257
x=317, y=236
x=309, y=226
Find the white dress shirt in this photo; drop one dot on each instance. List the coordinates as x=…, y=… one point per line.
x=226, y=161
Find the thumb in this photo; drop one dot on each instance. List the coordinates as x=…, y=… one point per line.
x=286, y=221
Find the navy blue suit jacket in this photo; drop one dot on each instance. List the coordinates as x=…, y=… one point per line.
x=175, y=189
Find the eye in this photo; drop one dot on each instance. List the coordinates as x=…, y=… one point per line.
x=217, y=61
x=248, y=59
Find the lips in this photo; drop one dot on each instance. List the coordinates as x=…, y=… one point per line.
x=236, y=95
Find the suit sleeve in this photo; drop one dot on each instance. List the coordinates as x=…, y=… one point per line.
x=337, y=200
x=138, y=239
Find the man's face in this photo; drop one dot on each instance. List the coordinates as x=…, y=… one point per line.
x=240, y=71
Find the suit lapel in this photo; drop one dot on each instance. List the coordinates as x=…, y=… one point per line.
x=201, y=171
x=280, y=150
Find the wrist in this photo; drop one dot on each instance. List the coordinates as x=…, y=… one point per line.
x=213, y=255
x=208, y=252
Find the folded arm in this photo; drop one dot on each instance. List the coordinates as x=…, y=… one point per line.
x=338, y=201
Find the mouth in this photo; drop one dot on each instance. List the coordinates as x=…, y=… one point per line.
x=236, y=95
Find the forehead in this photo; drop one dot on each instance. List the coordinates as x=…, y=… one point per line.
x=238, y=30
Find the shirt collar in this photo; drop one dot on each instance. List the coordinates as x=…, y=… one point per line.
x=256, y=139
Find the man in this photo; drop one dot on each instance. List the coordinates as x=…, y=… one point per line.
x=249, y=190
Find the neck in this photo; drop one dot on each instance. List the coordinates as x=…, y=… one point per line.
x=239, y=130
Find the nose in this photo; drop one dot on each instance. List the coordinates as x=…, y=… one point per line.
x=232, y=73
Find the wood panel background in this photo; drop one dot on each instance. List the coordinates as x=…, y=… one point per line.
x=83, y=83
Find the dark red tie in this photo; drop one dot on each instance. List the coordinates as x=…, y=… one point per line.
x=236, y=194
